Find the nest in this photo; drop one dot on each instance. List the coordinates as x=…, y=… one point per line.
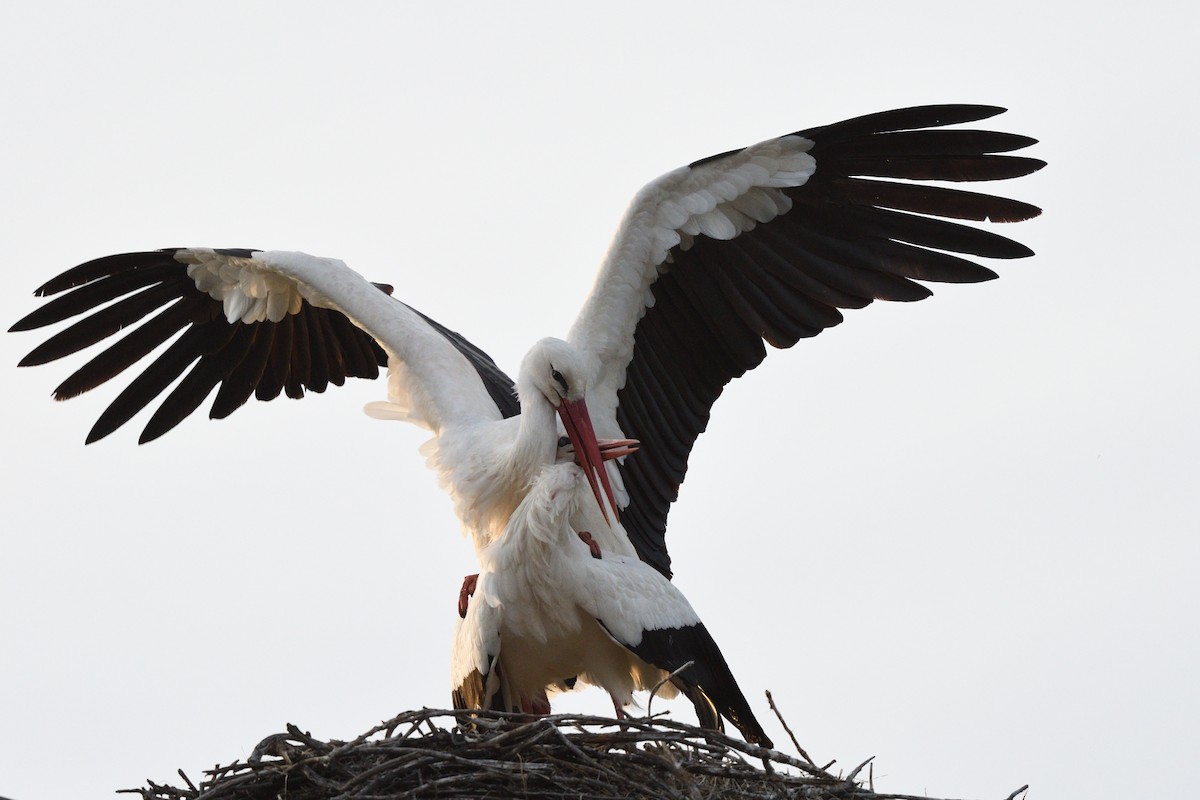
x=438, y=753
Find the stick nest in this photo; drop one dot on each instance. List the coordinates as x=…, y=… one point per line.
x=437, y=753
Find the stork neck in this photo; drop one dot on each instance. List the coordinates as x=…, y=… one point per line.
x=536, y=444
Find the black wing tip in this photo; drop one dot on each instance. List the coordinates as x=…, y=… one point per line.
x=25, y=323
x=99, y=267
x=1023, y=212
x=958, y=112
x=64, y=393
x=943, y=113
x=982, y=110
x=364, y=355
x=38, y=318
x=903, y=119
x=104, y=265
x=96, y=434
x=1016, y=167
x=148, y=436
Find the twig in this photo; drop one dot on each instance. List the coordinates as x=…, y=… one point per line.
x=792, y=736
x=659, y=685
x=192, y=786
x=854, y=772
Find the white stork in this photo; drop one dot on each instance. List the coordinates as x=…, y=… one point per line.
x=551, y=607
x=763, y=243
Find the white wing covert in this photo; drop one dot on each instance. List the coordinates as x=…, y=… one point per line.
x=719, y=200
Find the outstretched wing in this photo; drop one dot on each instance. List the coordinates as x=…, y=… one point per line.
x=767, y=243
x=253, y=323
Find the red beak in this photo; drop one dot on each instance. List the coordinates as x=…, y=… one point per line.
x=616, y=448
x=578, y=423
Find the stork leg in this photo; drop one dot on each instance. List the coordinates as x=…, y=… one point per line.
x=591, y=543
x=465, y=593
x=618, y=708
x=538, y=705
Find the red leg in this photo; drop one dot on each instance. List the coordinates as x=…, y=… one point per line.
x=617, y=708
x=538, y=705
x=591, y=543
x=467, y=590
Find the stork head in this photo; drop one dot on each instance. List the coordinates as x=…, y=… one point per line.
x=557, y=372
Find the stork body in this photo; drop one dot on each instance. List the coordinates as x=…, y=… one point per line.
x=549, y=609
x=762, y=245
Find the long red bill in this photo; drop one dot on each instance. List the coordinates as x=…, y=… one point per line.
x=578, y=423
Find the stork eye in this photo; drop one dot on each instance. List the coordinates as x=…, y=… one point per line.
x=558, y=377
x=563, y=441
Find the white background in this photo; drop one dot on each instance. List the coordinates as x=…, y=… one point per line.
x=960, y=536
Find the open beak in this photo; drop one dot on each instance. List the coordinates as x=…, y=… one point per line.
x=617, y=448
x=578, y=423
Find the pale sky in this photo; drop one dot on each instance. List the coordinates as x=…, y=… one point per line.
x=959, y=536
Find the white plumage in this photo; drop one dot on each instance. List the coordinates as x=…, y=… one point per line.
x=762, y=244
x=542, y=594
x=547, y=610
